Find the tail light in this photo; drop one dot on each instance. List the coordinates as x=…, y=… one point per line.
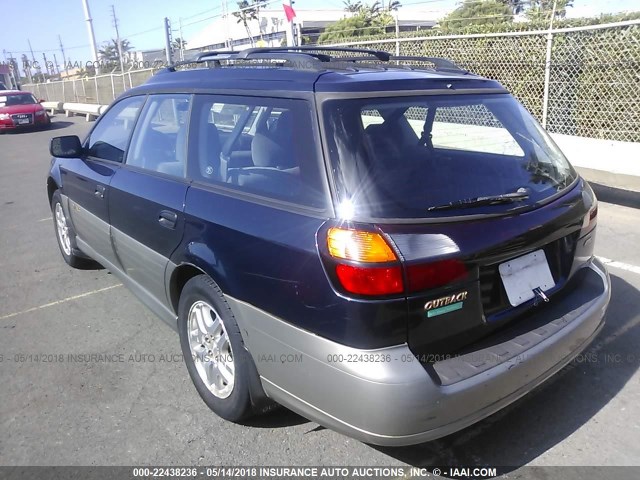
x=381, y=273
x=590, y=218
x=365, y=264
x=435, y=274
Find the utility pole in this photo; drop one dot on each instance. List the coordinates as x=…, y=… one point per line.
x=33, y=59
x=181, y=40
x=228, y=42
x=64, y=58
x=55, y=64
x=115, y=24
x=46, y=65
x=92, y=37
x=167, y=39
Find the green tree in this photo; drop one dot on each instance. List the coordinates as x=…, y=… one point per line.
x=393, y=5
x=516, y=6
x=109, y=51
x=473, y=12
x=179, y=44
x=368, y=20
x=353, y=7
x=249, y=11
x=540, y=10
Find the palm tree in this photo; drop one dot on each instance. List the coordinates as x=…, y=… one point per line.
x=179, y=44
x=109, y=52
x=248, y=12
x=353, y=7
x=393, y=5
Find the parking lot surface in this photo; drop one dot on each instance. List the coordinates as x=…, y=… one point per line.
x=88, y=376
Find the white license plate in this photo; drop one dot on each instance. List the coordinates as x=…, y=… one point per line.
x=522, y=275
x=23, y=121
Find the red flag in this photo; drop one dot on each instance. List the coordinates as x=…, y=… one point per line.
x=289, y=12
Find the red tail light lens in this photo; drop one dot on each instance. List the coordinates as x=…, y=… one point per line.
x=436, y=274
x=371, y=280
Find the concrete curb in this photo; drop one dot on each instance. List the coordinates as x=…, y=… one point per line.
x=619, y=181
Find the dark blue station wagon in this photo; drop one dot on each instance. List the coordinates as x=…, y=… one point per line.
x=392, y=247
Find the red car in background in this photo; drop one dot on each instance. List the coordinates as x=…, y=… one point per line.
x=20, y=110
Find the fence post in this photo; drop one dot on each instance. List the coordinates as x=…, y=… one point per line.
x=547, y=67
x=130, y=81
x=397, y=36
x=95, y=81
x=113, y=89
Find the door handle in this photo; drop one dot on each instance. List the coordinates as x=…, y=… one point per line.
x=168, y=219
x=99, y=192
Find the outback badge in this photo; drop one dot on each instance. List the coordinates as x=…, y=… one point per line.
x=447, y=304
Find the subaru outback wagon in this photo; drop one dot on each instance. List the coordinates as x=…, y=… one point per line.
x=389, y=246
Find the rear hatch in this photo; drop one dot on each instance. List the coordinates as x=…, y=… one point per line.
x=488, y=218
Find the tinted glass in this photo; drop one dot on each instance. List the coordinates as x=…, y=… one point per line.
x=159, y=142
x=19, y=99
x=109, y=138
x=396, y=157
x=262, y=146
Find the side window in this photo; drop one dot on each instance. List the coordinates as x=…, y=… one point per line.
x=473, y=128
x=109, y=138
x=159, y=142
x=261, y=146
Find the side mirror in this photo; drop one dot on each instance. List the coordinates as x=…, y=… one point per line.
x=68, y=146
x=42, y=100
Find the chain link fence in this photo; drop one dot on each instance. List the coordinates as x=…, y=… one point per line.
x=591, y=82
x=102, y=89
x=589, y=87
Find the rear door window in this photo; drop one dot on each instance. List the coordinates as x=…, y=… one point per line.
x=260, y=146
x=159, y=142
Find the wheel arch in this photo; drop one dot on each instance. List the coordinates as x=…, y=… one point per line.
x=184, y=272
x=52, y=186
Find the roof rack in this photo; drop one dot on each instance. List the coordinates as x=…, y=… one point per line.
x=310, y=53
x=441, y=64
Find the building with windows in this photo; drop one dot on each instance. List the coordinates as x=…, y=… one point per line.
x=270, y=29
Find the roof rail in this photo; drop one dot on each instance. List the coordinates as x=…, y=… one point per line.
x=380, y=55
x=310, y=53
x=441, y=64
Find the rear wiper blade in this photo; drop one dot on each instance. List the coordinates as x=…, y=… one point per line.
x=479, y=201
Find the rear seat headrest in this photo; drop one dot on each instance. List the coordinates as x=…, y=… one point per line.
x=266, y=152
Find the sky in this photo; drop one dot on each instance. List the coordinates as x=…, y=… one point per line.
x=141, y=21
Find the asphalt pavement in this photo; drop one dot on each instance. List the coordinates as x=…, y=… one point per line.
x=88, y=376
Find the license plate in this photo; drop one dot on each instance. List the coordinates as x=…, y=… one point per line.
x=522, y=275
x=23, y=121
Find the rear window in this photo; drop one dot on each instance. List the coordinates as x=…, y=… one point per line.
x=399, y=157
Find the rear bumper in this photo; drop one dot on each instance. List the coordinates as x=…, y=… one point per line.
x=386, y=397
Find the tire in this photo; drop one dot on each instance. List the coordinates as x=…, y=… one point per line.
x=220, y=367
x=66, y=236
